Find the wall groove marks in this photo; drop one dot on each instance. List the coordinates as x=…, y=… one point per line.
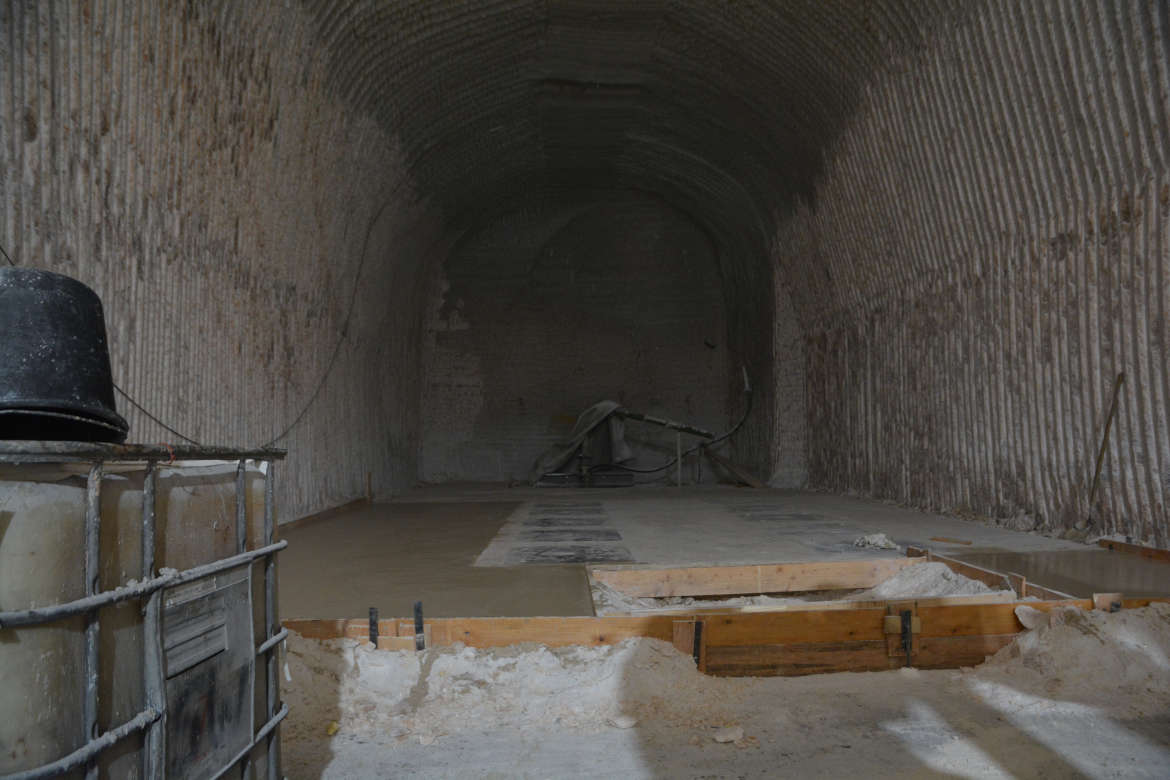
x=1017, y=264
x=177, y=158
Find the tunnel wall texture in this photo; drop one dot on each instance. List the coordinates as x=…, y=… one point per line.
x=188, y=162
x=986, y=250
x=551, y=308
x=966, y=202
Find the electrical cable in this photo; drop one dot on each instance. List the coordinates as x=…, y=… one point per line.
x=166, y=427
x=6, y=257
x=341, y=337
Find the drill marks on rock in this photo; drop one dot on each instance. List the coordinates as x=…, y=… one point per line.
x=556, y=532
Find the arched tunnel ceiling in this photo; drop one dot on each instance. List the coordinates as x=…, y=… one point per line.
x=724, y=108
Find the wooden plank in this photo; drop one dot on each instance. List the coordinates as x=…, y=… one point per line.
x=799, y=659
x=1153, y=553
x=554, y=632
x=783, y=628
x=992, y=579
x=646, y=582
x=821, y=606
x=683, y=636
x=396, y=643
x=1047, y=594
x=949, y=540
x=982, y=619
x=957, y=651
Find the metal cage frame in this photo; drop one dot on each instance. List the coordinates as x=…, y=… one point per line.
x=152, y=718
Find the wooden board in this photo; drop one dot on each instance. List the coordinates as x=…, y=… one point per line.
x=821, y=606
x=958, y=651
x=737, y=644
x=500, y=632
x=991, y=579
x=799, y=659
x=647, y=582
x=765, y=628
x=1153, y=553
x=1031, y=589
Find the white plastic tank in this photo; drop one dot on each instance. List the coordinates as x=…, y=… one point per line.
x=42, y=553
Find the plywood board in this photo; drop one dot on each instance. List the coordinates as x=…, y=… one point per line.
x=648, y=582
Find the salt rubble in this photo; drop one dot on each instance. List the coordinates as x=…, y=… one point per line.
x=922, y=580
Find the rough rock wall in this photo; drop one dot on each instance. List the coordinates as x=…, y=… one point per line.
x=988, y=249
x=189, y=162
x=549, y=309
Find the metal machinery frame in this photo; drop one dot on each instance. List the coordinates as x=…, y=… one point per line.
x=152, y=718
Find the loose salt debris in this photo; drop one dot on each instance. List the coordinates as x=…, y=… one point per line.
x=729, y=734
x=876, y=541
x=624, y=721
x=1031, y=617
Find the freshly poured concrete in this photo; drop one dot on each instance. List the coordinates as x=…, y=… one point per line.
x=452, y=547
x=390, y=555
x=700, y=525
x=1083, y=572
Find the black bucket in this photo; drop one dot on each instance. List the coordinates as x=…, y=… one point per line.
x=55, y=382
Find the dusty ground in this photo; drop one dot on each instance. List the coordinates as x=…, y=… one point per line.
x=1088, y=696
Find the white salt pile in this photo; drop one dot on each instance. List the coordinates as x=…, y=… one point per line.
x=1090, y=655
x=876, y=541
x=443, y=690
x=921, y=580
x=924, y=580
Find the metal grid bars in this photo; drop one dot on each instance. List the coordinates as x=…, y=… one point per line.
x=152, y=719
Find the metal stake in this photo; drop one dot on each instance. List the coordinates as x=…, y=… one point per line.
x=420, y=638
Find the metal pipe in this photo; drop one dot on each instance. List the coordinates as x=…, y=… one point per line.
x=93, y=532
x=241, y=507
x=31, y=617
x=272, y=642
x=153, y=673
x=271, y=619
x=263, y=733
x=90, y=750
x=60, y=451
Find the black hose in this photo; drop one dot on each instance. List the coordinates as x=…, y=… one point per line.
x=747, y=391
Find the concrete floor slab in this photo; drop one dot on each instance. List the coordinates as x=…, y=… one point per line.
x=425, y=546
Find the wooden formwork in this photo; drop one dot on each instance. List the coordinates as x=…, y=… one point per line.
x=797, y=639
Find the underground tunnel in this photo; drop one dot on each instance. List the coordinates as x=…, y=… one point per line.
x=911, y=256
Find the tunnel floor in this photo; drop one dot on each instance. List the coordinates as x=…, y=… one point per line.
x=483, y=551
